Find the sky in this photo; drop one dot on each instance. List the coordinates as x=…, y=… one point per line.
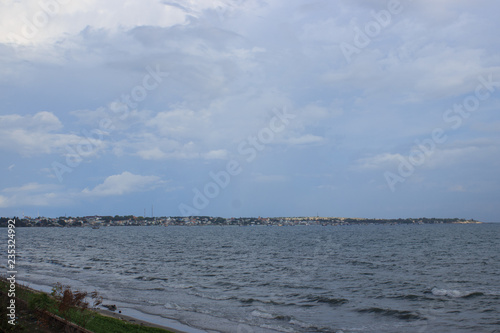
x=233, y=108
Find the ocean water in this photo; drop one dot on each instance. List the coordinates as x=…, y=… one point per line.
x=374, y=278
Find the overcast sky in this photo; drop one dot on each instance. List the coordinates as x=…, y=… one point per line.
x=377, y=109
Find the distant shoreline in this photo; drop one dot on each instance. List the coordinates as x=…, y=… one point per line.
x=130, y=220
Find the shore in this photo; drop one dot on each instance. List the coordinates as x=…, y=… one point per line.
x=134, y=320
x=144, y=319
x=128, y=315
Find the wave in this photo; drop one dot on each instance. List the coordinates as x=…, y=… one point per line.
x=212, y=297
x=267, y=315
x=260, y=314
x=178, y=285
x=150, y=278
x=302, y=324
x=412, y=297
x=405, y=315
x=327, y=300
x=455, y=293
x=278, y=328
x=289, y=320
x=249, y=301
x=307, y=327
x=174, y=306
x=99, y=259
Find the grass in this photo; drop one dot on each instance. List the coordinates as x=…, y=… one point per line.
x=30, y=307
x=107, y=324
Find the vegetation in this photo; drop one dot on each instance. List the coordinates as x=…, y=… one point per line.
x=72, y=306
x=35, y=312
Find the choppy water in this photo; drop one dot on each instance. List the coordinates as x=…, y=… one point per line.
x=425, y=278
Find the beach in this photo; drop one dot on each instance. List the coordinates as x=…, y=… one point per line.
x=126, y=314
x=142, y=322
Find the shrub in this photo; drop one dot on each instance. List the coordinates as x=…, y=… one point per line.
x=72, y=304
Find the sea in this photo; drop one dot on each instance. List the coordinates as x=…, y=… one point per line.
x=353, y=278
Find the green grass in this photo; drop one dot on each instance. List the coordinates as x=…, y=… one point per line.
x=29, y=318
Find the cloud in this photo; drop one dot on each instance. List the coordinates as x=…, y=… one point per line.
x=41, y=121
x=4, y=201
x=35, y=194
x=180, y=123
x=457, y=188
x=123, y=183
x=152, y=154
x=219, y=154
x=379, y=161
x=305, y=139
x=230, y=63
x=458, y=153
x=27, y=22
x=150, y=146
x=34, y=135
x=31, y=187
x=51, y=195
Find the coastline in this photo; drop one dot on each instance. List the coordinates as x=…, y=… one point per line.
x=134, y=320
x=137, y=317
x=127, y=315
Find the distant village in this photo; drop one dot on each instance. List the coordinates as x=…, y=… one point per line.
x=111, y=221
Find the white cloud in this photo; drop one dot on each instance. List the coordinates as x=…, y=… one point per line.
x=33, y=135
x=151, y=146
x=305, y=139
x=27, y=22
x=152, y=154
x=4, y=201
x=180, y=123
x=442, y=156
x=35, y=194
x=30, y=187
x=379, y=161
x=457, y=188
x=216, y=154
x=454, y=156
x=124, y=183
x=41, y=121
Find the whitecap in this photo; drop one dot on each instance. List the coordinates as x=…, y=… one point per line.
x=446, y=292
x=454, y=293
x=301, y=324
x=260, y=314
